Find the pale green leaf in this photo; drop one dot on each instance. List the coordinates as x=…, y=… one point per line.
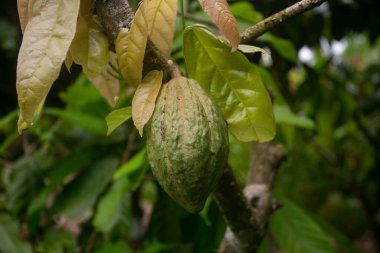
x=117, y=117
x=161, y=17
x=110, y=207
x=136, y=41
x=295, y=232
x=219, y=12
x=284, y=115
x=47, y=38
x=89, y=47
x=144, y=100
x=248, y=49
x=81, y=193
x=134, y=169
x=233, y=83
x=22, y=8
x=10, y=241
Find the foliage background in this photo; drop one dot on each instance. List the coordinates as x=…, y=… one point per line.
x=66, y=187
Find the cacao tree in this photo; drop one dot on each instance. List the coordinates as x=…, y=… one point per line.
x=177, y=97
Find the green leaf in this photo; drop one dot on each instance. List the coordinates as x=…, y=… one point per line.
x=134, y=169
x=81, y=194
x=245, y=11
x=57, y=241
x=116, y=247
x=25, y=183
x=284, y=47
x=87, y=122
x=110, y=207
x=56, y=173
x=117, y=117
x=10, y=241
x=283, y=114
x=233, y=83
x=296, y=232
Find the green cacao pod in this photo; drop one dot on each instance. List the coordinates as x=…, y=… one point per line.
x=187, y=143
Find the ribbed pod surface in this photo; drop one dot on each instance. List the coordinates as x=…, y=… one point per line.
x=187, y=143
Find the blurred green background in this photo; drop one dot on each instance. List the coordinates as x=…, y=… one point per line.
x=66, y=187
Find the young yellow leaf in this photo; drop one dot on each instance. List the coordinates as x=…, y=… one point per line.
x=22, y=7
x=137, y=39
x=220, y=14
x=47, y=38
x=161, y=21
x=144, y=100
x=121, y=45
x=89, y=47
x=107, y=85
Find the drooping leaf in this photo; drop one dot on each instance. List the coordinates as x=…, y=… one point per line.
x=136, y=41
x=144, y=100
x=161, y=17
x=107, y=85
x=110, y=207
x=121, y=45
x=117, y=117
x=134, y=170
x=89, y=47
x=81, y=194
x=10, y=241
x=295, y=232
x=47, y=38
x=233, y=83
x=22, y=7
x=219, y=12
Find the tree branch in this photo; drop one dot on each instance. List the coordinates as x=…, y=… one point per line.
x=251, y=33
x=249, y=214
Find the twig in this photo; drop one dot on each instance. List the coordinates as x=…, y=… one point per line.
x=251, y=33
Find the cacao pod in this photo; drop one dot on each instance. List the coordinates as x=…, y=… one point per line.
x=187, y=143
